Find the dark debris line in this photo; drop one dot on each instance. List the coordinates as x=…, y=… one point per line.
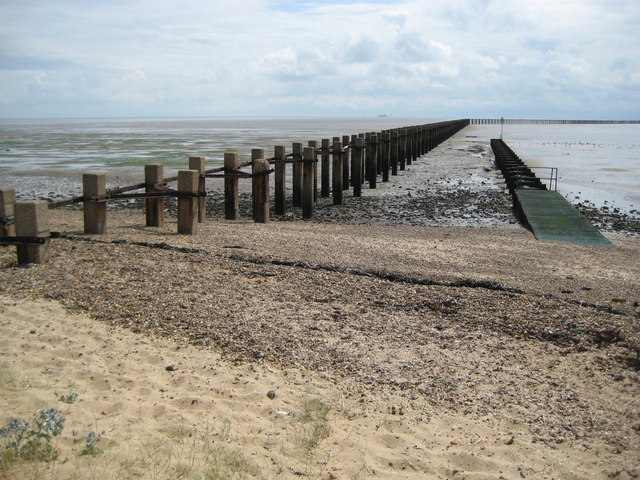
x=391, y=277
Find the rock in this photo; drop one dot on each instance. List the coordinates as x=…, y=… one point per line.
x=170, y=368
x=271, y=394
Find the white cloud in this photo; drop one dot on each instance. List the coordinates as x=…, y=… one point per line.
x=140, y=57
x=399, y=17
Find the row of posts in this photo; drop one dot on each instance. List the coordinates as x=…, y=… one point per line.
x=348, y=161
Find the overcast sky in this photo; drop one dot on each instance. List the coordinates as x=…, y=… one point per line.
x=426, y=58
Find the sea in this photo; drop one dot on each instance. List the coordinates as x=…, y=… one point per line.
x=597, y=164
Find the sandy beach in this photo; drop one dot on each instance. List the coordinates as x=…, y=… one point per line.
x=418, y=332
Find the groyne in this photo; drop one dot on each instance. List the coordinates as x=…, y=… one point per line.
x=533, y=121
x=348, y=161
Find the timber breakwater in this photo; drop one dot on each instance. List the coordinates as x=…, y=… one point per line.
x=318, y=170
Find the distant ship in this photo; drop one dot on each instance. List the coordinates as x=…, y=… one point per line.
x=384, y=115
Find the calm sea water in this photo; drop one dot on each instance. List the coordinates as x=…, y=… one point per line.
x=75, y=145
x=600, y=163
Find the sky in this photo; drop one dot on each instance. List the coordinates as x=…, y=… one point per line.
x=568, y=59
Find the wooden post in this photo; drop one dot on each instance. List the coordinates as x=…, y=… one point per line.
x=32, y=220
x=393, y=154
x=95, y=211
x=379, y=154
x=345, y=162
x=362, y=160
x=384, y=153
x=260, y=189
x=409, y=145
x=314, y=144
x=280, y=185
x=373, y=161
x=188, y=206
x=352, y=150
x=7, y=212
x=256, y=154
x=231, y=202
x=309, y=165
x=297, y=174
x=324, y=169
x=197, y=163
x=338, y=161
x=356, y=175
x=367, y=156
x=154, y=207
x=402, y=148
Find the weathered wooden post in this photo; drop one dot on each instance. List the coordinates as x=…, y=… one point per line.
x=280, y=179
x=256, y=154
x=260, y=187
x=188, y=202
x=356, y=175
x=409, y=146
x=402, y=148
x=362, y=160
x=197, y=163
x=7, y=212
x=297, y=174
x=95, y=210
x=32, y=220
x=379, y=154
x=231, y=202
x=324, y=169
x=314, y=144
x=393, y=154
x=345, y=162
x=352, y=154
x=373, y=161
x=154, y=207
x=338, y=161
x=309, y=165
x=384, y=153
x=367, y=154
